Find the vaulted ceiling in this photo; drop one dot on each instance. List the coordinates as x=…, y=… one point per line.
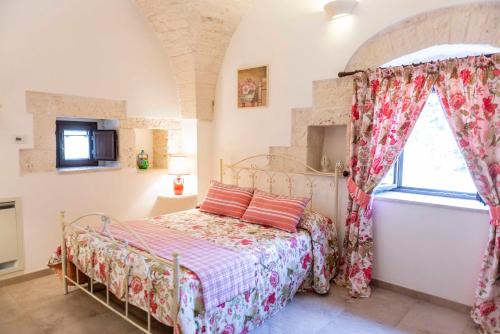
x=195, y=35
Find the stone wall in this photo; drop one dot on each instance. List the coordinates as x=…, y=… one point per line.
x=195, y=35
x=160, y=157
x=331, y=106
x=46, y=107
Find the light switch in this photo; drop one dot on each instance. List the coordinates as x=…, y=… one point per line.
x=20, y=139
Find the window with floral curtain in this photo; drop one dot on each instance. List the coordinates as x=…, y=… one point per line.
x=386, y=105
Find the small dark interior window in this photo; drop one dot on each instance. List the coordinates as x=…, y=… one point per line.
x=82, y=144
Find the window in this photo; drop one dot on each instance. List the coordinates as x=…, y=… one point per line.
x=82, y=144
x=431, y=162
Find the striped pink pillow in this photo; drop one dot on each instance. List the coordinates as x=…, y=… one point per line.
x=278, y=211
x=226, y=200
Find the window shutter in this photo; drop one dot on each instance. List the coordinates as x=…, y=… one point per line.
x=104, y=145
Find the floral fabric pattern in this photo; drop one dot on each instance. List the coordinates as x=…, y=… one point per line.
x=288, y=262
x=386, y=105
x=469, y=90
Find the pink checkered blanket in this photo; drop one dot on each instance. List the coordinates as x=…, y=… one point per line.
x=224, y=273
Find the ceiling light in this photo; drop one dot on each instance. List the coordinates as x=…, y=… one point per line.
x=339, y=8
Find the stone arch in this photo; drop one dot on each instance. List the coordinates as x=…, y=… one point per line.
x=475, y=23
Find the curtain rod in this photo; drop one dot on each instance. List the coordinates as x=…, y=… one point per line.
x=346, y=74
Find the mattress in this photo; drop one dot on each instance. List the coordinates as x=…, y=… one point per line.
x=286, y=263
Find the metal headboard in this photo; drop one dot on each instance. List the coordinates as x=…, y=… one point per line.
x=268, y=168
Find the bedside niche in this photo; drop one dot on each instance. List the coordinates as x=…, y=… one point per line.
x=330, y=140
x=154, y=142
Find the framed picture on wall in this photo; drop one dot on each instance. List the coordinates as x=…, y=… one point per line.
x=253, y=87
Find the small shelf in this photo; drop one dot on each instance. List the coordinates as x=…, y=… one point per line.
x=172, y=196
x=152, y=170
x=436, y=201
x=86, y=169
x=168, y=203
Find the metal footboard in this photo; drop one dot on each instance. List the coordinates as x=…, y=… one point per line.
x=89, y=288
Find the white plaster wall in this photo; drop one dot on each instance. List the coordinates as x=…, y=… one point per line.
x=429, y=249
x=436, y=250
x=206, y=158
x=79, y=47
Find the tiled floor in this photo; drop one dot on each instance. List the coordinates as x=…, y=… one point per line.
x=38, y=306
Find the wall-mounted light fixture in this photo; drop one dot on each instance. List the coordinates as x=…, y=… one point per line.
x=339, y=8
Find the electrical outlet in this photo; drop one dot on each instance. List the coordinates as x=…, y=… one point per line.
x=20, y=139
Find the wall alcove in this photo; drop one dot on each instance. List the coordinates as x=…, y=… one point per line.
x=330, y=141
x=154, y=142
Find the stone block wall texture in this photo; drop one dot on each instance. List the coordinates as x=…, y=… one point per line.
x=315, y=140
x=195, y=35
x=331, y=106
x=160, y=157
x=475, y=23
x=47, y=107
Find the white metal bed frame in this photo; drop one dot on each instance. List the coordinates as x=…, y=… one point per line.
x=89, y=289
x=237, y=168
x=305, y=171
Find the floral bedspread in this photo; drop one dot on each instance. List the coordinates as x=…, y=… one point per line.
x=306, y=260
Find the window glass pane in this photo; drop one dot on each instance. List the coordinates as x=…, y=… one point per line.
x=432, y=159
x=76, y=145
x=389, y=177
x=75, y=133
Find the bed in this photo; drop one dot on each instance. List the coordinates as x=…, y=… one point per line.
x=122, y=256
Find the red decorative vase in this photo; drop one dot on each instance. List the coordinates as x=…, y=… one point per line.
x=178, y=185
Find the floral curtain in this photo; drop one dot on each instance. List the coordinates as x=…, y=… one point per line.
x=469, y=90
x=386, y=105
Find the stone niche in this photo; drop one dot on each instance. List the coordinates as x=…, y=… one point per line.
x=330, y=141
x=321, y=129
x=154, y=142
x=47, y=107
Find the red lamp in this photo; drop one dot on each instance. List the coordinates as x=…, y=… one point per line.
x=178, y=166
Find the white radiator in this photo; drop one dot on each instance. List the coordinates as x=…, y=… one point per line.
x=11, y=237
